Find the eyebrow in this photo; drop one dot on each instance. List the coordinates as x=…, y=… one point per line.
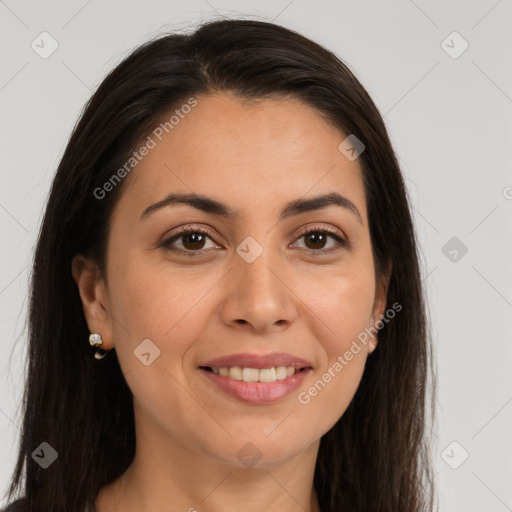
x=209, y=205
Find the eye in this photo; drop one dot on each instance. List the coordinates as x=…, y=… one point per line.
x=191, y=239
x=316, y=239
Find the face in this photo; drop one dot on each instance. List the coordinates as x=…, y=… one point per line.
x=268, y=286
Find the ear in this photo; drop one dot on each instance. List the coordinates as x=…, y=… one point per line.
x=93, y=292
x=379, y=304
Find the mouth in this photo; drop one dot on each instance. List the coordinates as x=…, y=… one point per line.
x=256, y=379
x=247, y=374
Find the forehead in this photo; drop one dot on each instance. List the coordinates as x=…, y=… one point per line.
x=250, y=154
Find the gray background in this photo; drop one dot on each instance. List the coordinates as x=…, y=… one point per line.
x=450, y=120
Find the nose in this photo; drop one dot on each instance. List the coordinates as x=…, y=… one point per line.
x=259, y=296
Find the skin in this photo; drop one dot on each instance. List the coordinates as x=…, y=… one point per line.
x=255, y=157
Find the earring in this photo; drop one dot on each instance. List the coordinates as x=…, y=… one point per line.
x=95, y=340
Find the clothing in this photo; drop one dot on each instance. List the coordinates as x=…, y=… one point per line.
x=16, y=506
x=21, y=506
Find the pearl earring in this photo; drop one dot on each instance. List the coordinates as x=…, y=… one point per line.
x=95, y=340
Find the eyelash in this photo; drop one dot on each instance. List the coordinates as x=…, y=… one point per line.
x=202, y=231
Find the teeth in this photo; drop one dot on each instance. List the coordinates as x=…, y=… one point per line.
x=235, y=373
x=255, y=374
x=250, y=374
x=267, y=375
x=281, y=372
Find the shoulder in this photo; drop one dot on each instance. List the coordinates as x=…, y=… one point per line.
x=19, y=505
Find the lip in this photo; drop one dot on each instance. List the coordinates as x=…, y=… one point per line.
x=257, y=392
x=258, y=361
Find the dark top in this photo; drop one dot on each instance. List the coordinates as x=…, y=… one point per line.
x=20, y=505
x=16, y=506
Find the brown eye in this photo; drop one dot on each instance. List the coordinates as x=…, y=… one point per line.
x=315, y=240
x=193, y=241
x=188, y=241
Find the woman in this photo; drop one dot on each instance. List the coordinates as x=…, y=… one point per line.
x=230, y=228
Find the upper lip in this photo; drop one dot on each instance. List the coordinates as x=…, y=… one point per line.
x=257, y=361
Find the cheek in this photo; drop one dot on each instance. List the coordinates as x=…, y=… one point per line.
x=327, y=396
x=150, y=298
x=154, y=304
x=152, y=301
x=346, y=303
x=345, y=307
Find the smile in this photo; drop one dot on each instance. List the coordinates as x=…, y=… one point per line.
x=256, y=378
x=256, y=374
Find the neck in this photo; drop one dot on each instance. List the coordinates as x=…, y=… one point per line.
x=165, y=472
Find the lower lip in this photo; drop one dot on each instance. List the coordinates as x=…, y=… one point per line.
x=257, y=392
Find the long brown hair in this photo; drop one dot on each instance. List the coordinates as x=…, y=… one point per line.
x=376, y=457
